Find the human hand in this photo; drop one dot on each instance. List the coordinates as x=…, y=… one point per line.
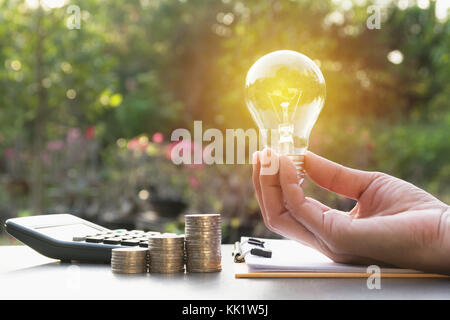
x=393, y=222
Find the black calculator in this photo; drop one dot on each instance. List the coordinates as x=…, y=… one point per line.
x=67, y=237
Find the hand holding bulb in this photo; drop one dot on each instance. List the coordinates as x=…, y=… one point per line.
x=285, y=93
x=393, y=223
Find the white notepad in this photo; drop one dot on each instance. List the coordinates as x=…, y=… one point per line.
x=291, y=256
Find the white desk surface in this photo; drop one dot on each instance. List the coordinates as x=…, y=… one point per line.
x=25, y=274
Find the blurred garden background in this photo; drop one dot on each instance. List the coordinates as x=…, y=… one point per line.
x=86, y=114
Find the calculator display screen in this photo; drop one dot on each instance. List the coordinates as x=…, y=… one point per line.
x=66, y=232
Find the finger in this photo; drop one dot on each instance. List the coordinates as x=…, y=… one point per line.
x=307, y=212
x=333, y=227
x=270, y=184
x=337, y=178
x=288, y=227
x=270, y=199
x=257, y=185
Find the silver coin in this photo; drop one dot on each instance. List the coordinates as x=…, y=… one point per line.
x=203, y=247
x=200, y=251
x=191, y=242
x=195, y=270
x=203, y=215
x=162, y=247
x=167, y=266
x=216, y=233
x=202, y=225
x=213, y=232
x=130, y=269
x=167, y=259
x=204, y=266
x=168, y=248
x=204, y=261
x=167, y=254
x=130, y=255
x=213, y=236
x=128, y=262
x=135, y=259
x=190, y=225
x=167, y=271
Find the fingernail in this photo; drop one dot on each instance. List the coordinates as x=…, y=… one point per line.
x=265, y=157
x=255, y=157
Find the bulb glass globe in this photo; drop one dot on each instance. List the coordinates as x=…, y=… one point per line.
x=285, y=92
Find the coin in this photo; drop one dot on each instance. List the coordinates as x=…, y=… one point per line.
x=203, y=234
x=129, y=260
x=166, y=253
x=202, y=216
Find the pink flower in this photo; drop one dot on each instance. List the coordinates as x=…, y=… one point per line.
x=45, y=157
x=55, y=145
x=158, y=137
x=89, y=133
x=133, y=144
x=138, y=143
x=193, y=182
x=73, y=135
x=10, y=153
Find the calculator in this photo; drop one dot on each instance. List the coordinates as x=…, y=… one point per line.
x=67, y=237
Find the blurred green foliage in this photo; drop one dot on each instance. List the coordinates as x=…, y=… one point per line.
x=140, y=67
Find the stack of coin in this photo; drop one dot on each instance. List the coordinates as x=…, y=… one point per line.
x=203, y=239
x=129, y=260
x=166, y=253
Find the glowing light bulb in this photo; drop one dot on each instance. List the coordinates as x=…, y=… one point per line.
x=285, y=92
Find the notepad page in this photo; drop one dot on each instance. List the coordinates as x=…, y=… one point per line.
x=291, y=256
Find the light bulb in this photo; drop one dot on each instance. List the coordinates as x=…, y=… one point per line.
x=285, y=92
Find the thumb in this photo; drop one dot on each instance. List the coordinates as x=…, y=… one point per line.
x=332, y=226
x=337, y=178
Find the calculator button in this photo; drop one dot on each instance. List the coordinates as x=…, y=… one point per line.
x=96, y=239
x=120, y=231
x=127, y=237
x=130, y=242
x=112, y=241
x=137, y=231
x=79, y=238
x=143, y=244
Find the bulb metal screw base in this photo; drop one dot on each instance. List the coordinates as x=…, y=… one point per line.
x=299, y=161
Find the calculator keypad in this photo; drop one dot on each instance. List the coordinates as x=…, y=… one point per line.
x=122, y=237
